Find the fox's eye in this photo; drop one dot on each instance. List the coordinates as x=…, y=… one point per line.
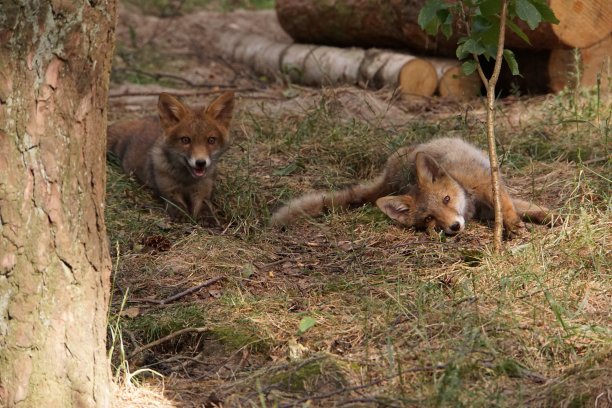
x=428, y=219
x=212, y=140
x=446, y=200
x=185, y=140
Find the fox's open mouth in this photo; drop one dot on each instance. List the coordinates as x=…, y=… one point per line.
x=197, y=172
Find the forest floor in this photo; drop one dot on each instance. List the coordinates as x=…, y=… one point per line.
x=351, y=309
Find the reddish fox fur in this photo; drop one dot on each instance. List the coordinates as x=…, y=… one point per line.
x=176, y=153
x=440, y=184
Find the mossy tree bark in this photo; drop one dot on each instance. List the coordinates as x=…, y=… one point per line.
x=54, y=263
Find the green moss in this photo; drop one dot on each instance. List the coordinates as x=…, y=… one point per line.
x=307, y=376
x=241, y=334
x=169, y=320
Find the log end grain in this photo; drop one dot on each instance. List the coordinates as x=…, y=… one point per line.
x=418, y=77
x=583, y=23
x=455, y=85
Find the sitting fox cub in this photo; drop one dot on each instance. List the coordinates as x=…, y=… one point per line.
x=176, y=154
x=441, y=184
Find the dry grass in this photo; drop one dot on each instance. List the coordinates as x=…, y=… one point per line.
x=402, y=318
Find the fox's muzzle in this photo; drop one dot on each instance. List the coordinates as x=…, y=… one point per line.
x=197, y=167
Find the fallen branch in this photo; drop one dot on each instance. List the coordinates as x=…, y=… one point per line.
x=166, y=338
x=180, y=294
x=161, y=75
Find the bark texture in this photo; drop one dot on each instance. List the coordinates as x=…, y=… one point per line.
x=393, y=23
x=54, y=262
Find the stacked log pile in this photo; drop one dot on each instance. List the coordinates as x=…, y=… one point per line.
x=323, y=65
x=584, y=24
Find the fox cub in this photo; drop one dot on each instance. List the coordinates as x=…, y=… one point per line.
x=440, y=184
x=176, y=153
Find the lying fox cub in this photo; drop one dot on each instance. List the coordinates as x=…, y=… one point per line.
x=440, y=184
x=176, y=153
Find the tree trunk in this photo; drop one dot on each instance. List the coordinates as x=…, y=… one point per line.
x=393, y=23
x=54, y=263
x=490, y=85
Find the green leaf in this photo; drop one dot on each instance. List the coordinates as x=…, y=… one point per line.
x=305, y=324
x=518, y=31
x=526, y=11
x=248, y=270
x=432, y=16
x=480, y=24
x=288, y=169
x=446, y=18
x=490, y=7
x=447, y=30
x=469, y=67
x=511, y=61
x=489, y=36
x=428, y=13
x=472, y=46
x=547, y=14
x=461, y=53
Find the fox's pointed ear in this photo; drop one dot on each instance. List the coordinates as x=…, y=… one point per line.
x=398, y=208
x=170, y=109
x=221, y=109
x=427, y=169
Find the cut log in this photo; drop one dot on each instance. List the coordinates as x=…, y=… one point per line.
x=317, y=65
x=591, y=62
x=365, y=23
x=312, y=65
x=393, y=23
x=582, y=23
x=452, y=82
x=260, y=53
x=410, y=74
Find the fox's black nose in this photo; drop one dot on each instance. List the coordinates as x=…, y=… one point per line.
x=200, y=164
x=455, y=227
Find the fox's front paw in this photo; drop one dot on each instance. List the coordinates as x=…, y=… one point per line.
x=513, y=226
x=176, y=213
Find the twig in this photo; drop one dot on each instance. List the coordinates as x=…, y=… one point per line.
x=180, y=294
x=166, y=338
x=159, y=75
x=597, y=160
x=191, y=290
x=372, y=401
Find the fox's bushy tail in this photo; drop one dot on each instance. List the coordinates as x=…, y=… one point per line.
x=316, y=203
